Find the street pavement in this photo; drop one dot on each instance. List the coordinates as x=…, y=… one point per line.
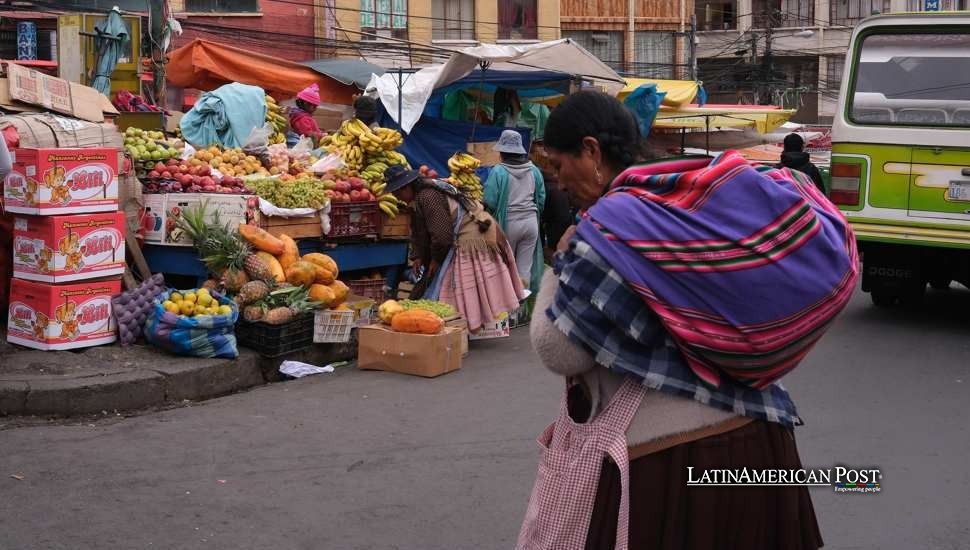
x=369, y=460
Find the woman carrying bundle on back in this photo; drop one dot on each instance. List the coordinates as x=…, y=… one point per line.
x=465, y=257
x=686, y=291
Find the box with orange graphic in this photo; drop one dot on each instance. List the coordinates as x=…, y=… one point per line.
x=57, y=249
x=67, y=316
x=47, y=182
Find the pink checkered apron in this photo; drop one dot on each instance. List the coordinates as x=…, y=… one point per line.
x=572, y=457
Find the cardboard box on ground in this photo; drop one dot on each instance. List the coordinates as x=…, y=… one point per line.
x=428, y=355
x=163, y=210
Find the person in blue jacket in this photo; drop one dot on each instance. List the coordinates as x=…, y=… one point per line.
x=515, y=195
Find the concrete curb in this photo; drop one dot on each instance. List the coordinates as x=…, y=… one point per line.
x=112, y=378
x=116, y=379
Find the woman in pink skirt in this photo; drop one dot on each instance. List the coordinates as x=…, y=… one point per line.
x=466, y=259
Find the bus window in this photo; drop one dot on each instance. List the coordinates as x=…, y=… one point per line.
x=912, y=80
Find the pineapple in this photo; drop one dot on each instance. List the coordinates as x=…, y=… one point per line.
x=253, y=291
x=234, y=279
x=253, y=313
x=278, y=315
x=221, y=249
x=257, y=269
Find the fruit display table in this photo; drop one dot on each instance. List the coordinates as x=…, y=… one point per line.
x=387, y=256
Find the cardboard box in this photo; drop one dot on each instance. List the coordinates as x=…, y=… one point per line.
x=460, y=323
x=57, y=249
x=56, y=94
x=48, y=317
x=46, y=130
x=498, y=329
x=48, y=182
x=483, y=151
x=163, y=210
x=380, y=348
x=298, y=228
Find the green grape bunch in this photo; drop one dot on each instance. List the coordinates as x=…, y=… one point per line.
x=440, y=309
x=301, y=193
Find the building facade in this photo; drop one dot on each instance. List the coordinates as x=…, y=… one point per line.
x=639, y=38
x=784, y=52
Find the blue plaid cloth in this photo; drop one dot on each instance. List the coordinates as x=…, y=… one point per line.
x=595, y=308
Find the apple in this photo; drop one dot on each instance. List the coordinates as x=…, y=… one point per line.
x=154, y=174
x=206, y=181
x=166, y=175
x=208, y=188
x=159, y=167
x=329, y=193
x=432, y=174
x=183, y=168
x=204, y=170
x=356, y=183
x=355, y=196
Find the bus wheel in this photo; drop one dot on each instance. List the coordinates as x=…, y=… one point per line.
x=883, y=298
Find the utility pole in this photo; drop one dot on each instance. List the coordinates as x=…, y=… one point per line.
x=693, y=47
x=768, y=72
x=755, y=82
x=156, y=12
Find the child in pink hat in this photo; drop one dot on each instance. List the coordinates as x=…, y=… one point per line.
x=301, y=116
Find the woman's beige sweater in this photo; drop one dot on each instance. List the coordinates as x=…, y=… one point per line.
x=659, y=415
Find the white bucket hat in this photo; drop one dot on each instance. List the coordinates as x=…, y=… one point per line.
x=510, y=142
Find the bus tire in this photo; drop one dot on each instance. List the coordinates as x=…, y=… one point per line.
x=883, y=298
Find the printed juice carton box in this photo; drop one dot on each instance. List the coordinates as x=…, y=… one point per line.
x=56, y=249
x=62, y=181
x=73, y=315
x=162, y=212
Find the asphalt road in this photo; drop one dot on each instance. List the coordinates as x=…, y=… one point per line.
x=365, y=460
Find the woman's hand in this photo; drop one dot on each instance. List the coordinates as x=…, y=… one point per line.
x=566, y=236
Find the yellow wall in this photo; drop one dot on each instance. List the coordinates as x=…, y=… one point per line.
x=548, y=17
x=486, y=14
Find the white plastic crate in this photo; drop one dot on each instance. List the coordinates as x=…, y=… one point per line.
x=332, y=327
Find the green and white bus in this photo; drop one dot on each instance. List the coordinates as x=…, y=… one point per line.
x=901, y=152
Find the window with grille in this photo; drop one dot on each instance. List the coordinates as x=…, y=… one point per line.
x=518, y=20
x=835, y=65
x=606, y=45
x=453, y=19
x=222, y=6
x=653, y=55
x=850, y=12
x=383, y=19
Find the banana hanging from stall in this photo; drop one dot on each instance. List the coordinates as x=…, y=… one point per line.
x=463, y=166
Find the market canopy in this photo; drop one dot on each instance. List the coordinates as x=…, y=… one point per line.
x=678, y=92
x=558, y=56
x=346, y=71
x=207, y=65
x=713, y=117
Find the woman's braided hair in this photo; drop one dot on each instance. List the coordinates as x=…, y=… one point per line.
x=597, y=115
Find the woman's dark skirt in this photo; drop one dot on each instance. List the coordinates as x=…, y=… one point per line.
x=666, y=514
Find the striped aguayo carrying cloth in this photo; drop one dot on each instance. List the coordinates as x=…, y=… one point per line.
x=745, y=266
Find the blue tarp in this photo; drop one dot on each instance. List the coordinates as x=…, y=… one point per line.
x=644, y=102
x=433, y=140
x=225, y=116
x=527, y=83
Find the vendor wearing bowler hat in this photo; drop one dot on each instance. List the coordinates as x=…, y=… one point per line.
x=456, y=243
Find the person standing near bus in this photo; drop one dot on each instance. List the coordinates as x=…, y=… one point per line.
x=795, y=158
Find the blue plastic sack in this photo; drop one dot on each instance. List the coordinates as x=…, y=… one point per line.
x=203, y=336
x=225, y=116
x=645, y=102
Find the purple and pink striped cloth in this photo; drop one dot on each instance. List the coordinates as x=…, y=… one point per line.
x=746, y=266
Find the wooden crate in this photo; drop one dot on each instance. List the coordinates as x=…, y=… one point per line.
x=297, y=228
x=398, y=227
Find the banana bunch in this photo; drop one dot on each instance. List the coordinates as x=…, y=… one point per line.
x=390, y=205
x=276, y=119
x=390, y=158
x=463, y=166
x=374, y=174
x=390, y=139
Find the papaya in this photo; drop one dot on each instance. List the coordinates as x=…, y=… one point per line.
x=321, y=293
x=301, y=274
x=323, y=261
x=290, y=253
x=274, y=266
x=340, y=292
x=388, y=311
x=261, y=239
x=417, y=321
x=323, y=276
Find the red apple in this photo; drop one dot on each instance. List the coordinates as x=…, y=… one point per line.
x=154, y=174
x=432, y=174
x=166, y=175
x=208, y=188
x=204, y=170
x=159, y=167
x=355, y=196
x=206, y=181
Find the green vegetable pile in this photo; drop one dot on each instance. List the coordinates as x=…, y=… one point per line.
x=440, y=309
x=301, y=193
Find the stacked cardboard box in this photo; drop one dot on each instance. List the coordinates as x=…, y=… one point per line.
x=68, y=246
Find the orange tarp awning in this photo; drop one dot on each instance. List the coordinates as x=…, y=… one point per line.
x=207, y=65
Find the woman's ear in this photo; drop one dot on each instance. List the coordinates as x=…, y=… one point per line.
x=592, y=146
